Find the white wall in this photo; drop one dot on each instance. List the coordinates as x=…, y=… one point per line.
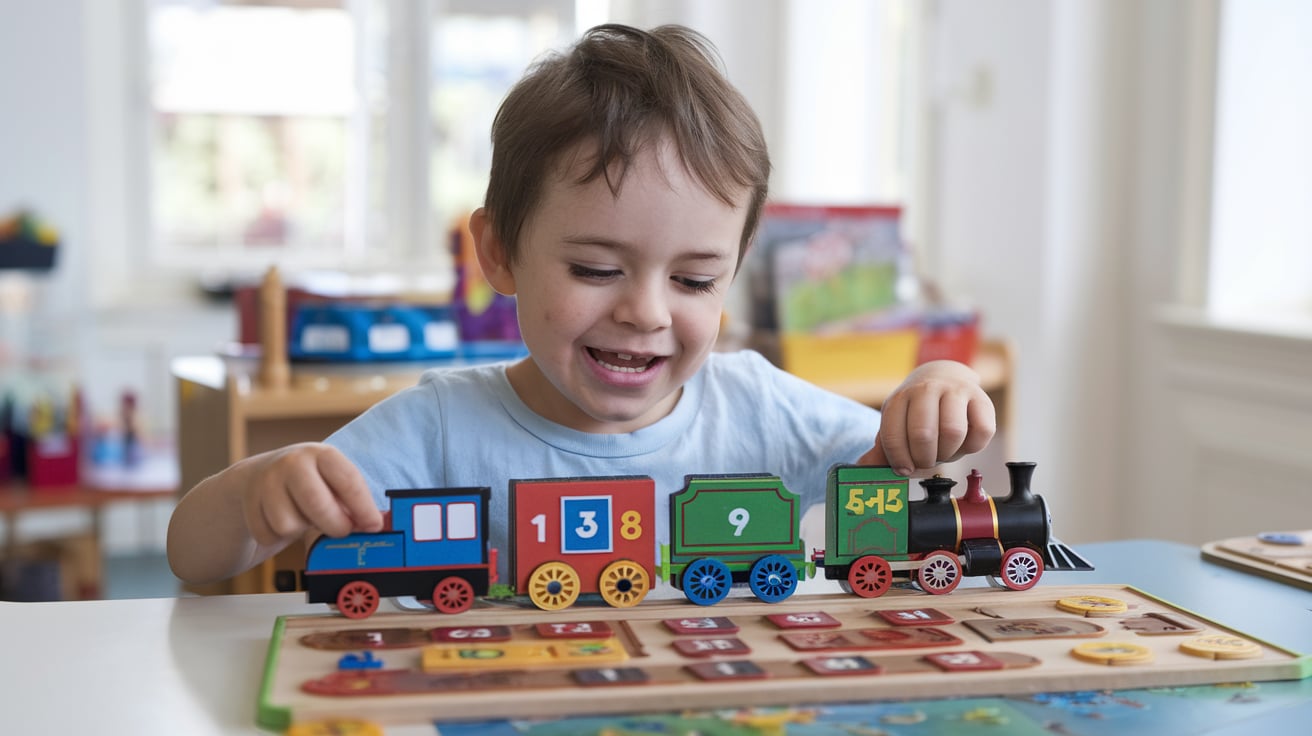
x=60, y=155
x=1023, y=221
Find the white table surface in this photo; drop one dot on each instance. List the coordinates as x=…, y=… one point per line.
x=193, y=665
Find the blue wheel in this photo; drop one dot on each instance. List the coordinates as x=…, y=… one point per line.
x=706, y=581
x=773, y=578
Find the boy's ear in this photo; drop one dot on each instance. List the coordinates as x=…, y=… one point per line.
x=492, y=256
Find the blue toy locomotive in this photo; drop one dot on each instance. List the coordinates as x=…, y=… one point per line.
x=572, y=536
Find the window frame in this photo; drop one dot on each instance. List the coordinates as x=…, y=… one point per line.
x=134, y=271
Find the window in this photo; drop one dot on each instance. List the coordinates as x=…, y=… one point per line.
x=462, y=521
x=342, y=133
x=427, y=522
x=352, y=134
x=1261, y=251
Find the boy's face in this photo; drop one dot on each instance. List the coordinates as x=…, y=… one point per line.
x=619, y=297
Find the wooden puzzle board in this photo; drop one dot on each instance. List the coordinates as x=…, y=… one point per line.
x=777, y=673
x=1282, y=556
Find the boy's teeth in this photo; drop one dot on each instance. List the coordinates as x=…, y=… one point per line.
x=621, y=362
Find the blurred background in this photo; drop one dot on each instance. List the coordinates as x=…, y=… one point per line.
x=1119, y=191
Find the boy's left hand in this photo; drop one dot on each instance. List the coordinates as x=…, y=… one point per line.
x=938, y=414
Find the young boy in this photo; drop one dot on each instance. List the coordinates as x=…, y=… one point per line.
x=627, y=179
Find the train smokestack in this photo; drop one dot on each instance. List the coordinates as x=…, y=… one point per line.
x=975, y=488
x=937, y=489
x=1021, y=473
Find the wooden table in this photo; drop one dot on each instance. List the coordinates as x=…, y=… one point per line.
x=193, y=665
x=93, y=496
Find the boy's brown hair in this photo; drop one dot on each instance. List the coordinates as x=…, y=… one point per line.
x=622, y=88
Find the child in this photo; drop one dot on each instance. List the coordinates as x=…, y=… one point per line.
x=627, y=179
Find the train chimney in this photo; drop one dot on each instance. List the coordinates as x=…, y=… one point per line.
x=1020, y=483
x=975, y=488
x=937, y=489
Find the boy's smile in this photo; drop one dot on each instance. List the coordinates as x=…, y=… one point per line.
x=619, y=296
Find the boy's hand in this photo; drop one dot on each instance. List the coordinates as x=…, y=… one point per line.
x=303, y=487
x=938, y=414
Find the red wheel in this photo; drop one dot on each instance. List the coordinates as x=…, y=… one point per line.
x=870, y=576
x=357, y=599
x=940, y=574
x=453, y=595
x=1021, y=568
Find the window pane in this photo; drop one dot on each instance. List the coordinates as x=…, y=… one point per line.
x=256, y=109
x=462, y=520
x=476, y=59
x=427, y=521
x=1261, y=253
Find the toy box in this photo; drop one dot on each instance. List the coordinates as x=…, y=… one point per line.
x=344, y=331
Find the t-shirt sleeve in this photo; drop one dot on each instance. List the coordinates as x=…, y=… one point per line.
x=811, y=428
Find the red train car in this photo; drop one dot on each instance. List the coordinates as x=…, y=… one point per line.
x=583, y=535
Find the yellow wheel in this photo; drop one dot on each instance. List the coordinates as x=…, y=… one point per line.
x=553, y=586
x=624, y=583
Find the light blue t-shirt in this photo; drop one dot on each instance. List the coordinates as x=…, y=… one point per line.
x=461, y=427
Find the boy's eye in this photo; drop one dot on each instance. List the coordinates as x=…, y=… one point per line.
x=592, y=273
x=697, y=285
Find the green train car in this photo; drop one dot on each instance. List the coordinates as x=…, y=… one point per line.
x=727, y=529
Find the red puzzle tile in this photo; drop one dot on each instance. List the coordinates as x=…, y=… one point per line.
x=701, y=625
x=915, y=617
x=610, y=676
x=816, y=620
x=471, y=633
x=844, y=665
x=964, y=661
x=737, y=670
x=721, y=646
x=574, y=630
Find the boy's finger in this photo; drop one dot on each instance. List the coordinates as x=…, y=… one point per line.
x=982, y=426
x=922, y=432
x=892, y=441
x=351, y=491
x=276, y=518
x=316, y=503
x=873, y=456
x=953, y=428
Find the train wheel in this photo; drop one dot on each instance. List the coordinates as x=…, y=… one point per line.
x=940, y=574
x=870, y=576
x=706, y=581
x=553, y=586
x=453, y=595
x=773, y=578
x=624, y=583
x=357, y=599
x=1021, y=568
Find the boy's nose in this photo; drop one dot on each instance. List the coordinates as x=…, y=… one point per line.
x=644, y=306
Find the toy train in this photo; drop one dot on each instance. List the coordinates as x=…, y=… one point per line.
x=571, y=536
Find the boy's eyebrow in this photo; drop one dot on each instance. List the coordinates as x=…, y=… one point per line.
x=610, y=243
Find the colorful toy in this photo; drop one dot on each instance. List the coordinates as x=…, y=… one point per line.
x=595, y=535
x=1285, y=556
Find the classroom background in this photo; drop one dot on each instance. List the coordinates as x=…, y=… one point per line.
x=1115, y=190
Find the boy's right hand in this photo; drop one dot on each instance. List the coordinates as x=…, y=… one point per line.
x=304, y=487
